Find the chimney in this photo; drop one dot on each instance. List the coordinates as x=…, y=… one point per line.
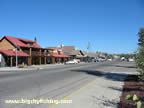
x=35, y=40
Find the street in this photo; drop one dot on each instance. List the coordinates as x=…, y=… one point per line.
x=55, y=82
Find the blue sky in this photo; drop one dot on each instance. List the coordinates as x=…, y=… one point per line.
x=110, y=25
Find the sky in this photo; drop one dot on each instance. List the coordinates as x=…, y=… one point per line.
x=109, y=25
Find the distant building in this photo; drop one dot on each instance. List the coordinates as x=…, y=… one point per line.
x=74, y=53
x=56, y=55
x=67, y=50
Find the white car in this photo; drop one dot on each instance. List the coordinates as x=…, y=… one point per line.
x=109, y=59
x=72, y=62
x=100, y=59
x=131, y=60
x=123, y=59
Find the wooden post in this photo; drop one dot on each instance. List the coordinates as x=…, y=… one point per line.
x=11, y=61
x=53, y=60
x=45, y=59
x=30, y=52
x=59, y=60
x=64, y=60
x=45, y=54
x=68, y=58
x=40, y=58
x=29, y=61
x=30, y=57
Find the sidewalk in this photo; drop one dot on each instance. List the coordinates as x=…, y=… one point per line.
x=44, y=66
x=32, y=67
x=103, y=93
x=9, y=69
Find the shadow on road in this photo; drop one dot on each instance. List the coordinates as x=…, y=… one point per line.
x=107, y=75
x=115, y=88
x=125, y=66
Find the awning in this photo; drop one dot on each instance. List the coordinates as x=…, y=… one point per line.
x=13, y=53
x=57, y=55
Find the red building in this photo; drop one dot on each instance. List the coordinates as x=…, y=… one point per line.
x=29, y=52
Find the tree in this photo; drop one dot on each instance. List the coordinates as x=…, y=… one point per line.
x=141, y=37
x=140, y=62
x=140, y=55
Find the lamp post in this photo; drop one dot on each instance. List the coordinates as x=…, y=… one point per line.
x=16, y=44
x=16, y=58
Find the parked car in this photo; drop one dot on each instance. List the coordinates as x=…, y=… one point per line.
x=93, y=60
x=72, y=62
x=100, y=59
x=123, y=59
x=131, y=60
x=90, y=60
x=78, y=60
x=109, y=59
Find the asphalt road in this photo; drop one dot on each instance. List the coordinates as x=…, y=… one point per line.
x=47, y=83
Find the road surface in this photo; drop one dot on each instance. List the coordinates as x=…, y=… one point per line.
x=53, y=82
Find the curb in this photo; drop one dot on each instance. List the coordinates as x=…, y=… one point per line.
x=12, y=70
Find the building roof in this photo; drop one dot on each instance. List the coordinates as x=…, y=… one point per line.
x=21, y=42
x=68, y=50
x=52, y=48
x=92, y=54
x=57, y=55
x=77, y=52
x=13, y=53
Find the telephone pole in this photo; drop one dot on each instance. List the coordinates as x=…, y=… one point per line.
x=88, y=47
x=88, y=50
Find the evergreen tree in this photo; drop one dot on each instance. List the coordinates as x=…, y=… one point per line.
x=141, y=37
x=140, y=55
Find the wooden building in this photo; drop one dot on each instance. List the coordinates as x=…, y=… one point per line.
x=56, y=55
x=74, y=53
x=29, y=52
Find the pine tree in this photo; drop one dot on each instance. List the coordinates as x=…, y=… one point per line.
x=141, y=37
x=140, y=55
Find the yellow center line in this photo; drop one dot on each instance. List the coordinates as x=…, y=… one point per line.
x=66, y=97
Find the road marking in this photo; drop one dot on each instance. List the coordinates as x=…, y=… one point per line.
x=66, y=97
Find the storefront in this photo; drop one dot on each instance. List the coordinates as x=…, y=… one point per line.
x=8, y=58
x=59, y=59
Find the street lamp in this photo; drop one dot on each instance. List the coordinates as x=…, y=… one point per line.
x=16, y=44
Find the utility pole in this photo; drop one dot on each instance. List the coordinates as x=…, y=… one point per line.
x=88, y=47
x=88, y=50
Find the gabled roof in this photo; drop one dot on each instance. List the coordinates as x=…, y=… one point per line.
x=13, y=53
x=68, y=50
x=22, y=42
x=77, y=52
